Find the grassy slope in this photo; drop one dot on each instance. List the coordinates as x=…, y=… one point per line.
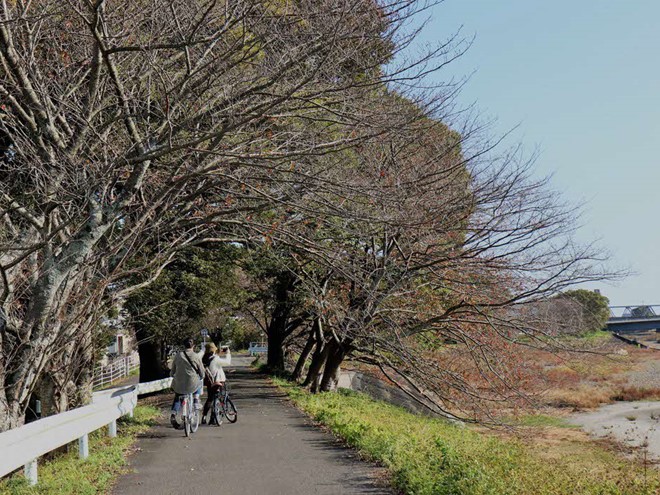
x=430, y=456
x=67, y=474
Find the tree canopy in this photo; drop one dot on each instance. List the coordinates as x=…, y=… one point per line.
x=594, y=308
x=134, y=134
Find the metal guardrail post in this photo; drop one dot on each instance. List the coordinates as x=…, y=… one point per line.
x=30, y=471
x=112, y=429
x=83, y=446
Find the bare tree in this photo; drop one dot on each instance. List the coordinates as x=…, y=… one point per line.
x=446, y=243
x=132, y=130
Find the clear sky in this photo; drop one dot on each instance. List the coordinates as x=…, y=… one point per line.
x=581, y=79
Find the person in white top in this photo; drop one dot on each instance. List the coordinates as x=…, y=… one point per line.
x=214, y=379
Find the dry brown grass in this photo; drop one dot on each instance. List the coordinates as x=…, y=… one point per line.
x=563, y=377
x=570, y=381
x=581, y=397
x=631, y=393
x=591, y=396
x=590, y=379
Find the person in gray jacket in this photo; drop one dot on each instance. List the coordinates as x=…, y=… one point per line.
x=187, y=372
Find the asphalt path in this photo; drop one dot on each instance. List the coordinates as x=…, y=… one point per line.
x=272, y=449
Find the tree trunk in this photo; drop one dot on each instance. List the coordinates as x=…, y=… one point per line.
x=17, y=385
x=336, y=354
x=84, y=378
x=47, y=390
x=297, y=372
x=315, y=367
x=11, y=415
x=276, y=336
x=279, y=327
x=66, y=382
x=35, y=346
x=59, y=376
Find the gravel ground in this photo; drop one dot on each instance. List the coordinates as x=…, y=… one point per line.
x=635, y=424
x=646, y=377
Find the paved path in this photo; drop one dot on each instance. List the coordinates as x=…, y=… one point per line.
x=272, y=449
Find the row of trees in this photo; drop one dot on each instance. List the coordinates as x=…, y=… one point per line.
x=373, y=218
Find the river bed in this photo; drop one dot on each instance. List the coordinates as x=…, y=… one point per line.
x=636, y=424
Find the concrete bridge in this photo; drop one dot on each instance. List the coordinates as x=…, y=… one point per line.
x=625, y=319
x=638, y=325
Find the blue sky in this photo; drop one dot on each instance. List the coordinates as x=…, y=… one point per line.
x=581, y=80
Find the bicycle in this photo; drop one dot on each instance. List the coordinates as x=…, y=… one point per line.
x=223, y=406
x=188, y=414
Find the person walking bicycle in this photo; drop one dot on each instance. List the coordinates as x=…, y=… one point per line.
x=214, y=378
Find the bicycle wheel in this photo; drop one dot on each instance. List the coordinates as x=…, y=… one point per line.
x=185, y=413
x=194, y=419
x=230, y=410
x=216, y=413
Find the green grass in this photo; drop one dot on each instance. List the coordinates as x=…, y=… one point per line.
x=260, y=364
x=67, y=474
x=427, y=456
x=597, y=336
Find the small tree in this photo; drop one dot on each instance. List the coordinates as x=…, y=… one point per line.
x=277, y=302
x=594, y=308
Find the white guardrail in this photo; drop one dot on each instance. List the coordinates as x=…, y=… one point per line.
x=22, y=446
x=119, y=368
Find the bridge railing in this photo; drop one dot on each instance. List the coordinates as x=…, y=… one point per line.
x=22, y=446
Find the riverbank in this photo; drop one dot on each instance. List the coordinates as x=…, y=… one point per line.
x=430, y=456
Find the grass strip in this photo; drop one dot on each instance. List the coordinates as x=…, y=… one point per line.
x=427, y=456
x=68, y=474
